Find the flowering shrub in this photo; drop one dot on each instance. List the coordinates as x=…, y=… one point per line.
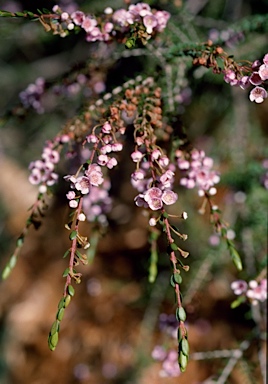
x=139, y=114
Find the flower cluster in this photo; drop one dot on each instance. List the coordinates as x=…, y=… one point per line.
x=113, y=22
x=199, y=171
x=31, y=96
x=153, y=197
x=253, y=290
x=92, y=177
x=257, y=78
x=42, y=171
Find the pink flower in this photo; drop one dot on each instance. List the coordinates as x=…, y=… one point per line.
x=150, y=23
x=265, y=59
x=112, y=162
x=257, y=292
x=155, y=203
x=263, y=72
x=258, y=94
x=78, y=17
x=83, y=184
x=70, y=195
x=73, y=204
x=117, y=147
x=136, y=156
x=103, y=160
x=138, y=175
x=106, y=127
x=94, y=175
x=169, y=197
x=152, y=193
x=88, y=24
x=239, y=287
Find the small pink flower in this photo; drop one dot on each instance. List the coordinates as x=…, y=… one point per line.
x=83, y=184
x=78, y=17
x=112, y=162
x=138, y=175
x=106, y=149
x=88, y=24
x=152, y=222
x=155, y=154
x=70, y=195
x=73, y=204
x=136, y=156
x=152, y=193
x=155, y=203
x=258, y=94
x=106, y=128
x=263, y=72
x=239, y=287
x=92, y=139
x=164, y=161
x=265, y=59
x=149, y=22
x=117, y=147
x=103, y=160
x=169, y=197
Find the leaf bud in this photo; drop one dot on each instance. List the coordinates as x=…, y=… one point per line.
x=67, y=300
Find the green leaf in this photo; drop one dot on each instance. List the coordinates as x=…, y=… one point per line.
x=73, y=235
x=13, y=261
x=180, y=314
x=60, y=314
x=174, y=247
x=67, y=300
x=177, y=278
x=71, y=290
x=66, y=272
x=66, y=253
x=185, y=347
x=6, y=272
x=55, y=327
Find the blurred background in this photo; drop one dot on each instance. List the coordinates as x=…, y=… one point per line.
x=117, y=317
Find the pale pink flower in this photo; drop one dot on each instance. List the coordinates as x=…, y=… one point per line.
x=112, y=162
x=83, y=184
x=155, y=203
x=265, y=59
x=103, y=160
x=78, y=17
x=152, y=193
x=106, y=128
x=263, y=72
x=70, y=195
x=239, y=287
x=138, y=175
x=156, y=153
x=117, y=147
x=73, y=204
x=169, y=197
x=258, y=94
x=136, y=156
x=88, y=24
x=152, y=222
x=149, y=22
